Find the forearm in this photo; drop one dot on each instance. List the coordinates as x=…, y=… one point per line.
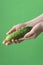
x=42, y=26
x=36, y=20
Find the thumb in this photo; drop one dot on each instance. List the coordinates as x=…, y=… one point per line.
x=16, y=27
x=11, y=30
x=29, y=34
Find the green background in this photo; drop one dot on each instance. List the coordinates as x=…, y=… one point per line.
x=29, y=52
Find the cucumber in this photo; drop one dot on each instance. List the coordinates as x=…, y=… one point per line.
x=18, y=34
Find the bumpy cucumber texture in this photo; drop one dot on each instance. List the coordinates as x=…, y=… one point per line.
x=18, y=34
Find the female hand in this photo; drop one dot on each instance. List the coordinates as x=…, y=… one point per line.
x=36, y=30
x=13, y=29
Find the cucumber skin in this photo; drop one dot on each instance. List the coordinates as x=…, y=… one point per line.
x=18, y=34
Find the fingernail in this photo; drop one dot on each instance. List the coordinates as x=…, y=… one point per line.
x=8, y=43
x=12, y=40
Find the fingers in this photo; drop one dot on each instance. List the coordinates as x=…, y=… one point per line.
x=13, y=41
x=16, y=27
x=11, y=30
x=29, y=34
x=6, y=42
x=34, y=30
x=18, y=40
x=32, y=37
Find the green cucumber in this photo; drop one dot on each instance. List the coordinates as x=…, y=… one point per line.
x=18, y=34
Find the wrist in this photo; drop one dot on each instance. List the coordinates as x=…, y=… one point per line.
x=36, y=20
x=41, y=26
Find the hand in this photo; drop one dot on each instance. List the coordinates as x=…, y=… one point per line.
x=36, y=30
x=13, y=29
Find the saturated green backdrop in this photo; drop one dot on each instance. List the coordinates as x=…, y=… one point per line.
x=29, y=52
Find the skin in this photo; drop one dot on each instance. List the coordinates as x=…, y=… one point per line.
x=36, y=23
